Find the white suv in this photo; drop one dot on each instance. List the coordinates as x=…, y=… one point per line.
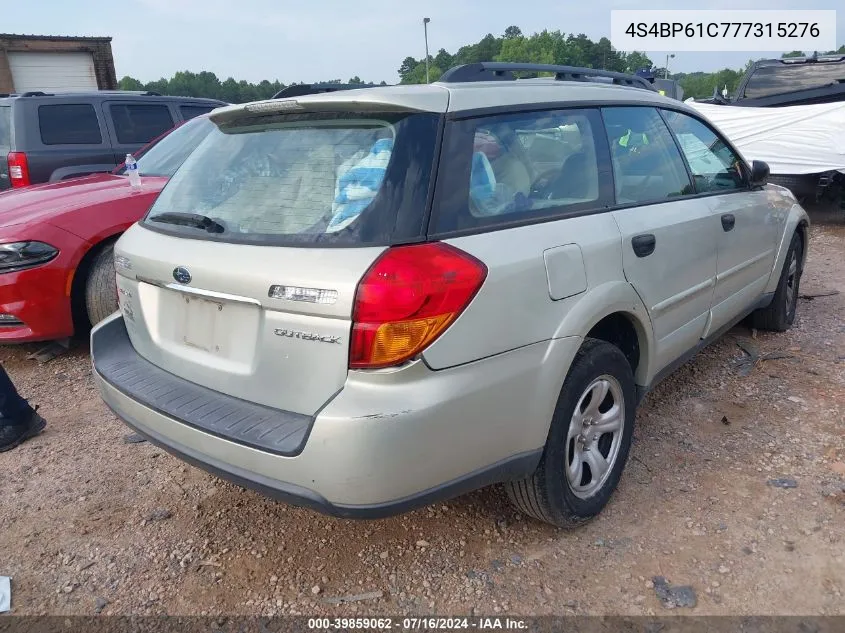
x=368, y=300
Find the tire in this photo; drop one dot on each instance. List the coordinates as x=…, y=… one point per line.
x=100, y=287
x=779, y=315
x=566, y=500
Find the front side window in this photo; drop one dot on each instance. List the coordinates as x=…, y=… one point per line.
x=140, y=123
x=190, y=111
x=69, y=124
x=303, y=179
x=519, y=166
x=647, y=165
x=714, y=165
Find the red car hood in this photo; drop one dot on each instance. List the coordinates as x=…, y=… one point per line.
x=48, y=201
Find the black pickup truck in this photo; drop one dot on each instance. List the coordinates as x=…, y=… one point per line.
x=795, y=81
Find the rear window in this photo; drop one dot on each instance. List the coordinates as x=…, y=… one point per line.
x=141, y=123
x=190, y=111
x=344, y=179
x=5, y=126
x=519, y=167
x=69, y=124
x=772, y=80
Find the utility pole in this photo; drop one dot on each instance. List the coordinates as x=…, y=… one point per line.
x=425, y=30
x=666, y=67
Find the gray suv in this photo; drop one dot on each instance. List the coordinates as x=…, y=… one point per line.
x=48, y=137
x=365, y=301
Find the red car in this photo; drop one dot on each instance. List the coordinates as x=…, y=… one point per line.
x=56, y=264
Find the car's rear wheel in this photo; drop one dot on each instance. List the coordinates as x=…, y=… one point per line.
x=780, y=313
x=100, y=287
x=588, y=441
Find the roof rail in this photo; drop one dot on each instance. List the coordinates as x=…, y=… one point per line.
x=504, y=71
x=300, y=90
x=35, y=93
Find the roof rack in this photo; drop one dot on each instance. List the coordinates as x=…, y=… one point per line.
x=503, y=71
x=300, y=90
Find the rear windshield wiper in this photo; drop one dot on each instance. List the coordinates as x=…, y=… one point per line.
x=190, y=219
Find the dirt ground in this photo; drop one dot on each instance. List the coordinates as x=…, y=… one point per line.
x=90, y=523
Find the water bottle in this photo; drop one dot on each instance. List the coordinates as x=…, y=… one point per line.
x=132, y=172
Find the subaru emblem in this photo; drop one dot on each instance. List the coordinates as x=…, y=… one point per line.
x=181, y=274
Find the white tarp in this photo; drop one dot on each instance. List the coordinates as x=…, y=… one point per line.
x=804, y=139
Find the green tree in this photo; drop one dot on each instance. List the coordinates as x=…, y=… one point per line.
x=793, y=54
x=408, y=64
x=635, y=60
x=443, y=59
x=417, y=75
x=130, y=83
x=512, y=32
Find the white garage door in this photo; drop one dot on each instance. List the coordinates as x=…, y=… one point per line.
x=52, y=72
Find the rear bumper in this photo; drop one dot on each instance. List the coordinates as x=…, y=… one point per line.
x=388, y=442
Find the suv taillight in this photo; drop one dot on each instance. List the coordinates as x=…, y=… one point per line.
x=408, y=298
x=18, y=169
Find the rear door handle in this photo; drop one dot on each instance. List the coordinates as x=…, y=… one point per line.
x=643, y=244
x=728, y=221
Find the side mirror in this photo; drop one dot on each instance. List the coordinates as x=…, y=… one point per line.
x=759, y=173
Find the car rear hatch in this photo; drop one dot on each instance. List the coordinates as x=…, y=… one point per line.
x=242, y=277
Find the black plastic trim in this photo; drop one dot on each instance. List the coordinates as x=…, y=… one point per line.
x=267, y=429
x=643, y=391
x=513, y=468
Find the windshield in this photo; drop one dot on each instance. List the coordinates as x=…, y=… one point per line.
x=772, y=80
x=302, y=178
x=164, y=157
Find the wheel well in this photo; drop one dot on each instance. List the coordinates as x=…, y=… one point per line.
x=81, y=324
x=618, y=329
x=802, y=231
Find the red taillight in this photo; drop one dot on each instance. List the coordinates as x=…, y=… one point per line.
x=407, y=298
x=18, y=169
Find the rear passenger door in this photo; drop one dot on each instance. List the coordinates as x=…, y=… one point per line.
x=669, y=239
x=134, y=124
x=748, y=221
x=63, y=139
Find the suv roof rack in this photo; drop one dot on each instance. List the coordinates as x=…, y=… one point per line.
x=504, y=71
x=300, y=90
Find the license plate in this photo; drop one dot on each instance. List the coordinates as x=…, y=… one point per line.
x=200, y=325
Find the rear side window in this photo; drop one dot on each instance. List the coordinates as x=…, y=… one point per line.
x=518, y=167
x=5, y=127
x=647, y=166
x=190, y=111
x=69, y=124
x=305, y=179
x=772, y=80
x=714, y=165
x=137, y=124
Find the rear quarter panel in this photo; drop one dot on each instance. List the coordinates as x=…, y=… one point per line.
x=514, y=307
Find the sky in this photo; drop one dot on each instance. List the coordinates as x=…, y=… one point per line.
x=335, y=39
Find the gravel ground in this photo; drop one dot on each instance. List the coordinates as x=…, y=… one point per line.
x=734, y=500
